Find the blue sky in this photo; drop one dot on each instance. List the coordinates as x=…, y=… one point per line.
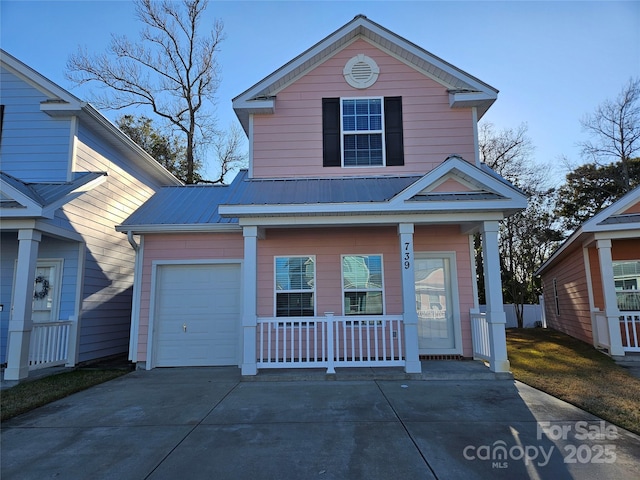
x=553, y=62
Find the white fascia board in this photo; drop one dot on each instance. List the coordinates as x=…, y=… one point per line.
x=488, y=182
x=615, y=208
x=40, y=225
x=383, y=208
x=619, y=234
x=31, y=207
x=180, y=228
x=394, y=219
x=37, y=80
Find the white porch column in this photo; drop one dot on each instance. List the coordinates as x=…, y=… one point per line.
x=496, y=317
x=610, y=300
x=249, y=313
x=20, y=322
x=410, y=316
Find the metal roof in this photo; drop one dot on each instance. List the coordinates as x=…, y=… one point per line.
x=296, y=191
x=621, y=219
x=182, y=205
x=198, y=204
x=46, y=193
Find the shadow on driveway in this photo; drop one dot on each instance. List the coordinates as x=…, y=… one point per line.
x=206, y=423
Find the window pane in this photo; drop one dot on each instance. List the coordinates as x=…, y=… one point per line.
x=349, y=107
x=294, y=305
x=295, y=273
x=363, y=303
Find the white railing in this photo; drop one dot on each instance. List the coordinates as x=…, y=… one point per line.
x=480, y=336
x=630, y=331
x=601, y=330
x=49, y=344
x=330, y=341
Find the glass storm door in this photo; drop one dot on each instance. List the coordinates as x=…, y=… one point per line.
x=434, y=303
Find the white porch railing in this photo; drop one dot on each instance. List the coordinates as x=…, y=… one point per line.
x=630, y=331
x=49, y=344
x=480, y=336
x=330, y=341
x=602, y=330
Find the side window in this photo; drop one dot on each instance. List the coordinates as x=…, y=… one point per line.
x=555, y=296
x=295, y=284
x=362, y=284
x=362, y=132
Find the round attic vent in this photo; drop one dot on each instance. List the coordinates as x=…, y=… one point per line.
x=361, y=71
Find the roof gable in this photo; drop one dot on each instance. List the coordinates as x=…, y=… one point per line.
x=464, y=89
x=21, y=199
x=620, y=219
x=622, y=214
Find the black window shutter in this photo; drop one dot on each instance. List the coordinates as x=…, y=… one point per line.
x=331, y=132
x=393, y=131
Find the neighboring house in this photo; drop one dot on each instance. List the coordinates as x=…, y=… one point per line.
x=592, y=282
x=348, y=240
x=68, y=176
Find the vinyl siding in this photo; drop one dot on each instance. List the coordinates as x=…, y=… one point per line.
x=575, y=314
x=50, y=248
x=109, y=259
x=34, y=146
x=289, y=142
x=187, y=247
x=329, y=244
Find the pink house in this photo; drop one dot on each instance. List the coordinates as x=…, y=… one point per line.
x=348, y=241
x=592, y=282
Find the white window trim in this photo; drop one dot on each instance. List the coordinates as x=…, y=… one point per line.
x=381, y=290
x=363, y=132
x=275, y=284
x=57, y=264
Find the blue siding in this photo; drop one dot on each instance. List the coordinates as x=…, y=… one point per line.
x=35, y=146
x=50, y=248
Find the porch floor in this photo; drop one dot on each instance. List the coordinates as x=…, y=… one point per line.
x=431, y=370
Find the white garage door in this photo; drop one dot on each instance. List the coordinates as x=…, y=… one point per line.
x=197, y=315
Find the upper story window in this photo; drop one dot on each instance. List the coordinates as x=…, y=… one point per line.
x=362, y=132
x=362, y=142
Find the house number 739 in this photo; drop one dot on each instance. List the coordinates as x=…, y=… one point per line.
x=407, y=256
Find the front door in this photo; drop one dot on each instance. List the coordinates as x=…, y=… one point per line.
x=436, y=303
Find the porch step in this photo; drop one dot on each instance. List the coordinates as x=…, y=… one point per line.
x=431, y=370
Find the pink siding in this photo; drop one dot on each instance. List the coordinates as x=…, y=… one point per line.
x=289, y=142
x=451, y=185
x=329, y=244
x=575, y=316
x=187, y=247
x=635, y=208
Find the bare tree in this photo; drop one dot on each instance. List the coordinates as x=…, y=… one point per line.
x=228, y=150
x=172, y=70
x=615, y=129
x=527, y=237
x=508, y=152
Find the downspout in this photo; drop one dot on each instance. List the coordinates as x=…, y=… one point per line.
x=135, y=304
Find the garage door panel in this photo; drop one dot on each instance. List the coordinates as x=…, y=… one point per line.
x=206, y=300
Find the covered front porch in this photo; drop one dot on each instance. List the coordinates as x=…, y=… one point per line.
x=331, y=340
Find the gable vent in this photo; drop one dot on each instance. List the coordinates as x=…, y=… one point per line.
x=361, y=71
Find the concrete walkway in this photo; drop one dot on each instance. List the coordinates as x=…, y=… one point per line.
x=206, y=423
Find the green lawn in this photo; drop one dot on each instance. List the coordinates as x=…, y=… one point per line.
x=32, y=394
x=575, y=372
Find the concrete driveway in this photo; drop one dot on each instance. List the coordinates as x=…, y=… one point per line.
x=205, y=423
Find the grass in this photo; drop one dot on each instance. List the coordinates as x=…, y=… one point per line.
x=575, y=372
x=36, y=393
